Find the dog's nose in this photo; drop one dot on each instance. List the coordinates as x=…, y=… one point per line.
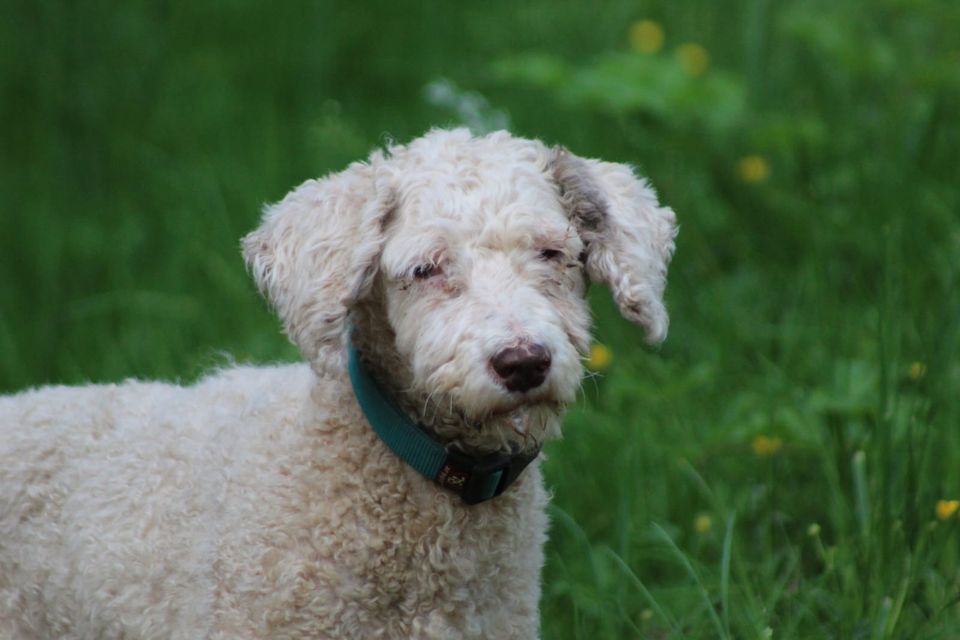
x=523, y=367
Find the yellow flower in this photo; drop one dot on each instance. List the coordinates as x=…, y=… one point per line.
x=646, y=36
x=766, y=446
x=916, y=371
x=753, y=168
x=702, y=523
x=693, y=58
x=600, y=357
x=946, y=508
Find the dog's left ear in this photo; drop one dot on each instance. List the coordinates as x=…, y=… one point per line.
x=629, y=237
x=315, y=254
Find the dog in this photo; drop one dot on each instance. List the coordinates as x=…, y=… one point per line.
x=388, y=487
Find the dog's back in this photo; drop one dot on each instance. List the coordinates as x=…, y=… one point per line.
x=109, y=501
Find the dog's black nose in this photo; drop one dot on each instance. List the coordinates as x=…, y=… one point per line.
x=523, y=367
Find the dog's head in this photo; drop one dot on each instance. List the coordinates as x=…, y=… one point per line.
x=479, y=249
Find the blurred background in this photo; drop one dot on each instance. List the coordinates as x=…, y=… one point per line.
x=787, y=465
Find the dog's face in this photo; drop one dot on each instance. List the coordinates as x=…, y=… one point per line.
x=483, y=283
x=480, y=249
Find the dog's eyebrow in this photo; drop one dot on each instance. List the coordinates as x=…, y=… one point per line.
x=559, y=236
x=516, y=224
x=419, y=247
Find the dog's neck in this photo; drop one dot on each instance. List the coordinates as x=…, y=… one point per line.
x=524, y=430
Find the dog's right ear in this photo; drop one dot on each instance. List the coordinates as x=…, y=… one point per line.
x=316, y=253
x=628, y=235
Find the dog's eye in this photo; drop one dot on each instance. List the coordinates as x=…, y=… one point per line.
x=550, y=254
x=424, y=271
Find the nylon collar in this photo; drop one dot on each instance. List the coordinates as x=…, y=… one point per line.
x=475, y=478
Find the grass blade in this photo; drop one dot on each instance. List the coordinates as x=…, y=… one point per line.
x=660, y=611
x=859, y=467
x=725, y=571
x=721, y=632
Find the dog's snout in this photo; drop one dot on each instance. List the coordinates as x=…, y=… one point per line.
x=523, y=367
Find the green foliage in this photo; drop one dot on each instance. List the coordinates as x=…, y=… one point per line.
x=635, y=84
x=772, y=471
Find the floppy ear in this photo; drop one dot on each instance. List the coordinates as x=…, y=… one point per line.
x=315, y=254
x=627, y=234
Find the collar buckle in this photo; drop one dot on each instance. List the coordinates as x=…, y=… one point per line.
x=479, y=478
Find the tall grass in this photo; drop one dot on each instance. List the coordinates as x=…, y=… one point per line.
x=772, y=471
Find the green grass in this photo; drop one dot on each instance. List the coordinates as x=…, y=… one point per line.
x=140, y=139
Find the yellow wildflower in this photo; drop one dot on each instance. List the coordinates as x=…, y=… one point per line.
x=702, y=523
x=646, y=36
x=753, y=168
x=946, y=508
x=766, y=446
x=600, y=357
x=693, y=58
x=916, y=371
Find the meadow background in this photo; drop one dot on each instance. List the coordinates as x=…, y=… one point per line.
x=787, y=465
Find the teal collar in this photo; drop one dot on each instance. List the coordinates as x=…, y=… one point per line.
x=475, y=478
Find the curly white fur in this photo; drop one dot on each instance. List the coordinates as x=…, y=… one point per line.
x=259, y=503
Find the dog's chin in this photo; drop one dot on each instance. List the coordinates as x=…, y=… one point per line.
x=517, y=425
x=500, y=421
x=519, y=413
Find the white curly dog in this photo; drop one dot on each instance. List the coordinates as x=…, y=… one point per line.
x=390, y=489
